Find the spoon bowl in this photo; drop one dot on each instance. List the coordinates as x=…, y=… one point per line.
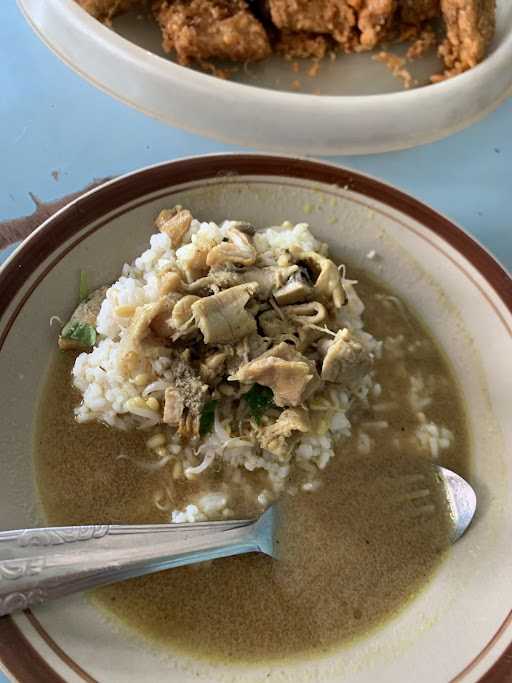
x=461, y=498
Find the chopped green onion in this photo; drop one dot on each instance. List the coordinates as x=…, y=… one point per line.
x=83, y=333
x=84, y=288
x=259, y=399
x=207, y=418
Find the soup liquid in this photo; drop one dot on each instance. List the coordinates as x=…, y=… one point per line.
x=351, y=553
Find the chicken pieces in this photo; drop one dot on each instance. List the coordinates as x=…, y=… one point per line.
x=106, y=10
x=346, y=361
x=470, y=26
x=354, y=24
x=363, y=24
x=222, y=317
x=174, y=223
x=414, y=12
x=276, y=437
x=201, y=30
x=291, y=376
x=374, y=20
x=242, y=352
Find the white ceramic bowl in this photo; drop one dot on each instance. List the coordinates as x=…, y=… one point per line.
x=460, y=626
x=362, y=109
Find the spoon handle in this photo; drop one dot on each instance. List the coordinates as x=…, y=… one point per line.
x=40, y=564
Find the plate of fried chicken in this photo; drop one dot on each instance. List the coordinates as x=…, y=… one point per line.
x=302, y=76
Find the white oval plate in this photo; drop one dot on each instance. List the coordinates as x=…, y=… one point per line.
x=379, y=118
x=460, y=626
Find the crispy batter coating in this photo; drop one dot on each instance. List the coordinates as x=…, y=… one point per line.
x=470, y=26
x=374, y=19
x=416, y=11
x=301, y=45
x=334, y=17
x=200, y=30
x=243, y=31
x=354, y=24
x=105, y=10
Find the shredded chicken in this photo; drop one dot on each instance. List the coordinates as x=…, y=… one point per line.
x=312, y=313
x=276, y=437
x=346, y=360
x=222, y=318
x=141, y=322
x=212, y=367
x=249, y=366
x=327, y=283
x=237, y=250
x=296, y=289
x=139, y=328
x=194, y=264
x=273, y=324
x=291, y=376
x=162, y=324
x=182, y=318
x=174, y=223
x=171, y=282
x=269, y=278
x=245, y=350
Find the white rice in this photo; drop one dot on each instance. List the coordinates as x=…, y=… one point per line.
x=419, y=397
x=433, y=438
x=286, y=237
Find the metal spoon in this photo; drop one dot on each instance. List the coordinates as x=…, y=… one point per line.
x=40, y=564
x=461, y=499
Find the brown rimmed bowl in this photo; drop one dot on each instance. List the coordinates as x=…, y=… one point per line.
x=460, y=627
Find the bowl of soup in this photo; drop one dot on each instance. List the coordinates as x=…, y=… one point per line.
x=203, y=338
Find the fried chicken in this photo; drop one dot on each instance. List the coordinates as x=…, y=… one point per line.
x=470, y=26
x=354, y=24
x=334, y=17
x=415, y=12
x=301, y=45
x=106, y=10
x=244, y=31
x=374, y=19
x=200, y=30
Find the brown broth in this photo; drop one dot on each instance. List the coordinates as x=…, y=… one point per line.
x=352, y=553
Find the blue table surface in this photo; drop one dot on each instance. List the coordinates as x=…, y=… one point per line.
x=53, y=121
